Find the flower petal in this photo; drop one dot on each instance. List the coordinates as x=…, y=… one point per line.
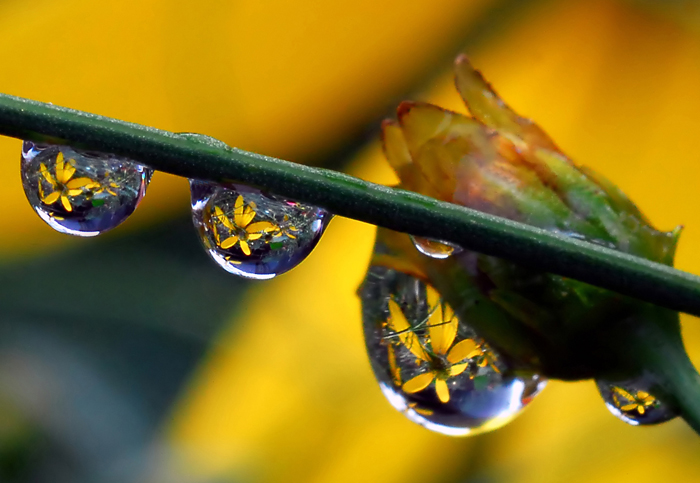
x=68, y=172
x=238, y=205
x=45, y=173
x=443, y=393
x=245, y=247
x=393, y=368
x=623, y=393
x=52, y=198
x=461, y=351
x=247, y=217
x=486, y=106
x=229, y=242
x=261, y=227
x=457, y=369
x=443, y=330
x=59, y=167
x=223, y=219
x=400, y=325
x=418, y=383
x=66, y=203
x=79, y=183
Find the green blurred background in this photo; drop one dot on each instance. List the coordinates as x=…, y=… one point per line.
x=133, y=358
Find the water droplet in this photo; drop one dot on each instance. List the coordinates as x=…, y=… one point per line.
x=435, y=248
x=632, y=401
x=79, y=192
x=432, y=366
x=253, y=234
x=203, y=139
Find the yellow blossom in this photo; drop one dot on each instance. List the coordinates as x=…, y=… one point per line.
x=638, y=401
x=63, y=186
x=241, y=230
x=445, y=359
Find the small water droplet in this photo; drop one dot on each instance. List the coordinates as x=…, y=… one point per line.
x=432, y=366
x=79, y=192
x=632, y=401
x=253, y=234
x=435, y=248
x=203, y=139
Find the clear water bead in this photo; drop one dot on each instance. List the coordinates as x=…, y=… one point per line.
x=435, y=248
x=203, y=139
x=632, y=401
x=432, y=366
x=79, y=192
x=253, y=234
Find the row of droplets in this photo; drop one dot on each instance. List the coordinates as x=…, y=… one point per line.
x=246, y=231
x=440, y=375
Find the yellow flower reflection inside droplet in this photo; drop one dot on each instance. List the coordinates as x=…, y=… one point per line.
x=241, y=229
x=630, y=402
x=444, y=359
x=64, y=188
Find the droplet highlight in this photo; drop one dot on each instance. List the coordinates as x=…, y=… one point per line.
x=435, y=248
x=253, y=234
x=633, y=402
x=432, y=366
x=79, y=192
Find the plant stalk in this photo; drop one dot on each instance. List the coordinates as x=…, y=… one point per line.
x=354, y=198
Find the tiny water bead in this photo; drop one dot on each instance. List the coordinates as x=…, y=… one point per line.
x=435, y=248
x=432, y=366
x=253, y=234
x=204, y=139
x=79, y=192
x=632, y=402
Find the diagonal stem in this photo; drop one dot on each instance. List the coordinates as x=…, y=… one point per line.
x=354, y=198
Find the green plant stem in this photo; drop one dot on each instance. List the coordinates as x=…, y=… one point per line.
x=655, y=344
x=354, y=198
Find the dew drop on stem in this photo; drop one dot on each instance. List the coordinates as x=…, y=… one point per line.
x=633, y=401
x=78, y=192
x=254, y=234
x=432, y=366
x=435, y=248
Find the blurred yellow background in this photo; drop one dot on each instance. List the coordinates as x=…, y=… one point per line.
x=284, y=391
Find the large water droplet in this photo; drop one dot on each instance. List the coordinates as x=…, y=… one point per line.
x=432, y=366
x=253, y=234
x=435, y=248
x=79, y=192
x=633, y=402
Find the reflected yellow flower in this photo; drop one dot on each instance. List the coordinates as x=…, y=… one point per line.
x=484, y=356
x=241, y=230
x=287, y=229
x=444, y=359
x=638, y=401
x=63, y=186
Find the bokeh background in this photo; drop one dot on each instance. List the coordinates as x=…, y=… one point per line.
x=133, y=358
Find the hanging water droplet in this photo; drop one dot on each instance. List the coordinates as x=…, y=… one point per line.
x=433, y=367
x=253, y=234
x=79, y=192
x=632, y=401
x=435, y=248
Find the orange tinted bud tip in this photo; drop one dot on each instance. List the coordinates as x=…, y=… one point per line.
x=404, y=108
